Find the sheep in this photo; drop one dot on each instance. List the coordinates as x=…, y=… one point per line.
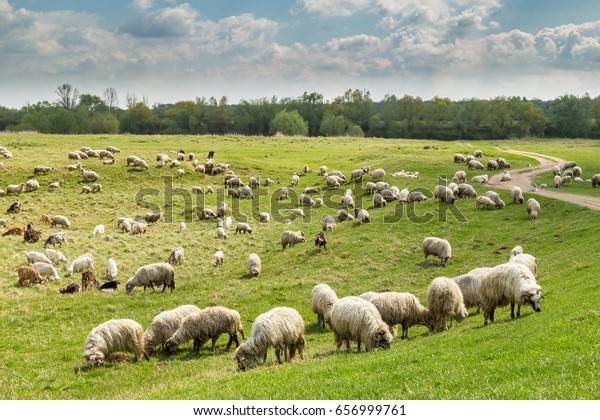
x=295, y=180
x=57, y=238
x=253, y=264
x=333, y=182
x=2, y=222
x=176, y=256
x=478, y=153
x=343, y=216
x=459, y=158
x=474, y=165
x=481, y=179
x=517, y=195
x=32, y=185
x=506, y=176
x=443, y=193
x=469, y=284
x=297, y=213
x=56, y=256
x=126, y=225
x=403, y=196
x=74, y=155
x=379, y=186
x=254, y=182
x=264, y=217
x=347, y=200
x=116, y=335
x=527, y=260
x=322, y=170
x=357, y=174
x=243, y=228
x=492, y=165
x=568, y=172
x=150, y=275
x=60, y=220
x=113, y=149
x=180, y=173
x=438, y=247
x=445, y=301
x=310, y=190
x=207, y=324
x=355, y=319
x=79, y=264
x=28, y=276
x=111, y=269
x=89, y=175
x=96, y=188
x=92, y=154
x=45, y=219
x=569, y=165
x=218, y=258
x=459, y=177
x=370, y=187
x=596, y=181
x=400, y=308
x=556, y=170
x=502, y=163
x=105, y=154
x=495, y=197
x=98, y=230
x=138, y=228
x=46, y=270
x=221, y=234
x=57, y=184
x=89, y=281
x=199, y=169
x=515, y=251
x=466, y=191
x=306, y=169
x=33, y=257
x=139, y=163
x=305, y=200
x=85, y=190
x=292, y=238
x=417, y=197
x=377, y=174
x=509, y=283
x=164, y=325
x=15, y=189
x=533, y=208
x=566, y=180
x=483, y=201
x=281, y=328
x=328, y=223
x=175, y=163
x=378, y=200
x=362, y=216
x=318, y=202
x=283, y=193
x=322, y=299
x=152, y=217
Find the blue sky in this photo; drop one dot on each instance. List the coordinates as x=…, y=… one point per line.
x=170, y=50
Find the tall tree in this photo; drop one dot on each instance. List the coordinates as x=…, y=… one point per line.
x=67, y=96
x=437, y=113
x=111, y=99
x=356, y=106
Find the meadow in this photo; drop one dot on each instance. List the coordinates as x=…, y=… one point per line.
x=554, y=354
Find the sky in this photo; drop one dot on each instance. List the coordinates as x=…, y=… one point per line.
x=170, y=50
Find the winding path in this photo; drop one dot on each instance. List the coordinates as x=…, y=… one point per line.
x=524, y=177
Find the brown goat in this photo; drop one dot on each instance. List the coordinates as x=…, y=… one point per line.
x=31, y=235
x=13, y=231
x=88, y=280
x=46, y=219
x=29, y=275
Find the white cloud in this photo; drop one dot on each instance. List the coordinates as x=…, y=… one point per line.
x=340, y=8
x=141, y=4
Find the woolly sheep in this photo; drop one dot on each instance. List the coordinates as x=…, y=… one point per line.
x=527, y=260
x=117, y=335
x=509, y=283
x=492, y=164
x=221, y=234
x=57, y=238
x=96, y=188
x=495, y=197
x=298, y=213
x=218, y=258
x=139, y=228
x=474, y=164
x=368, y=295
x=164, y=325
x=80, y=264
x=569, y=165
x=207, y=324
x=176, y=256
x=56, y=256
x=339, y=174
x=444, y=194
x=228, y=222
x=437, y=247
x=85, y=189
x=348, y=201
x=379, y=186
x=295, y=180
x=60, y=220
x=152, y=274
x=417, y=197
x=357, y=174
x=482, y=179
x=254, y=182
x=377, y=174
x=502, y=163
x=46, y=270
x=318, y=202
x=566, y=180
x=180, y=173
x=306, y=169
x=292, y=238
x=478, y=153
x=469, y=284
x=459, y=177
x=401, y=308
x=533, y=208
x=113, y=149
x=556, y=170
x=333, y=182
x=362, y=216
x=89, y=175
x=466, y=191
x=483, y=201
x=197, y=190
x=445, y=301
x=505, y=177
x=459, y=158
x=98, y=230
x=33, y=257
x=111, y=269
x=378, y=200
x=253, y=264
x=281, y=328
x=557, y=181
x=322, y=170
x=152, y=217
x=28, y=276
x=305, y=200
x=343, y=216
x=310, y=190
x=328, y=223
x=284, y=192
x=264, y=217
x=596, y=181
x=355, y=319
x=16, y=189
x=403, y=196
x=243, y=228
x=322, y=299
x=32, y=185
x=370, y=187
x=517, y=195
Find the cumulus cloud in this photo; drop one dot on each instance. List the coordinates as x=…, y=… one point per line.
x=176, y=21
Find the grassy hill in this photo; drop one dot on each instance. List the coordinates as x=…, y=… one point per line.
x=547, y=355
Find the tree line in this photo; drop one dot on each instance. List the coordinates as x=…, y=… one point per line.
x=352, y=114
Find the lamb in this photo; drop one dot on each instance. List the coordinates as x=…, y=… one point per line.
x=200, y=169
x=469, y=285
x=533, y=208
x=96, y=188
x=221, y=234
x=32, y=185
x=180, y=173
x=117, y=335
x=84, y=262
x=98, y=230
x=377, y=174
x=322, y=299
x=483, y=201
x=243, y=228
x=57, y=238
x=321, y=240
x=57, y=184
x=85, y=190
x=478, y=153
x=318, y=202
x=56, y=256
x=46, y=270
x=113, y=149
x=355, y=319
x=176, y=256
x=218, y=258
x=111, y=269
x=557, y=181
x=89, y=281
x=305, y=200
x=295, y=179
x=152, y=274
x=460, y=177
x=292, y=238
x=505, y=177
x=253, y=264
x=362, y=216
x=459, y=158
x=481, y=179
x=182, y=227
x=509, y=283
x=33, y=257
x=207, y=324
x=438, y=247
x=328, y=223
x=28, y=276
x=281, y=328
x=445, y=301
x=474, y=164
x=357, y=174
x=527, y=260
x=596, y=181
x=164, y=325
x=378, y=200
x=89, y=175
x=264, y=217
x=60, y=220
x=444, y=194
x=45, y=219
x=15, y=189
x=517, y=195
x=401, y=308
x=110, y=285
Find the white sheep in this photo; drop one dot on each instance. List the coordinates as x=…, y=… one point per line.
x=164, y=325
x=437, y=247
x=478, y=153
x=117, y=335
x=89, y=175
x=111, y=269
x=264, y=217
x=243, y=228
x=377, y=174
x=176, y=256
x=182, y=227
x=80, y=264
x=253, y=264
x=33, y=257
x=483, y=201
x=509, y=283
x=328, y=223
x=459, y=158
x=481, y=179
x=305, y=200
x=556, y=170
x=281, y=328
x=46, y=270
x=139, y=163
x=98, y=230
x=502, y=163
x=460, y=177
x=492, y=164
x=495, y=197
x=322, y=170
x=596, y=181
x=401, y=308
x=557, y=181
x=221, y=234
x=368, y=295
x=333, y=181
x=362, y=216
x=505, y=177
x=517, y=195
x=60, y=220
x=56, y=256
x=445, y=301
x=15, y=188
x=355, y=319
x=295, y=180
x=527, y=260
x=292, y=238
x=32, y=185
x=180, y=173
x=533, y=208
x=443, y=193
x=569, y=165
x=152, y=274
x=139, y=228
x=322, y=299
x=378, y=200
x=469, y=284
x=474, y=165
x=218, y=258
x=515, y=251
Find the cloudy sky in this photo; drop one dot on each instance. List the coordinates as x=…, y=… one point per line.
x=172, y=50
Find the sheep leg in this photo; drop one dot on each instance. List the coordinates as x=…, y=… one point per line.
x=214, y=342
x=518, y=311
x=512, y=310
x=199, y=342
x=278, y=354
x=358, y=346
x=404, y=332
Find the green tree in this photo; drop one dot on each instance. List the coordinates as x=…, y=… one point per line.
x=334, y=126
x=468, y=118
x=289, y=123
x=356, y=106
x=437, y=114
x=569, y=116
x=499, y=118
x=533, y=121
x=139, y=119
x=219, y=116
x=8, y=117
x=411, y=110
x=94, y=116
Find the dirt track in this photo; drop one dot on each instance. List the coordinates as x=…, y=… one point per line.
x=524, y=178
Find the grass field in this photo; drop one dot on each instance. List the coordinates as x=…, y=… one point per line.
x=554, y=354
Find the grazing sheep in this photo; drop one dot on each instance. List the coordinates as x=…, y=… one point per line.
x=74, y=155
x=281, y=328
x=110, y=286
x=569, y=165
x=113, y=149
x=557, y=181
x=207, y=324
x=533, y=208
x=328, y=223
x=460, y=177
x=481, y=179
x=378, y=200
x=469, y=284
x=466, y=191
x=305, y=200
x=295, y=179
x=98, y=230
x=221, y=234
x=438, y=247
x=417, y=197
x=138, y=228
x=310, y=190
x=2, y=222
x=322, y=299
x=339, y=174
x=474, y=165
x=380, y=186
x=164, y=325
x=401, y=308
x=355, y=319
x=343, y=216
x=283, y=193
x=527, y=260
x=445, y=301
x=377, y=174
x=556, y=170
x=264, y=217
x=33, y=257
x=596, y=181
x=88, y=280
x=357, y=174
x=517, y=195
x=348, y=200
x=253, y=264
x=117, y=335
x=370, y=187
x=28, y=276
x=292, y=238
x=60, y=220
x=502, y=163
x=54, y=185
x=89, y=175
x=306, y=169
x=333, y=182
x=322, y=170
x=96, y=188
x=566, y=180
x=32, y=185
x=362, y=216
x=321, y=240
x=483, y=201
x=459, y=158
x=403, y=196
x=509, y=283
x=180, y=173
x=152, y=217
x=111, y=269
x=57, y=238
x=505, y=177
x=218, y=258
x=85, y=190
x=139, y=163
x=495, y=197
x=492, y=165
x=176, y=256
x=443, y=193
x=46, y=270
x=71, y=288
x=15, y=189
x=318, y=202
x=79, y=264
x=368, y=295
x=478, y=153
x=243, y=228
x=152, y=274
x=298, y=213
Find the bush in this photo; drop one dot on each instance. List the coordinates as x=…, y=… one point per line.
x=289, y=123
